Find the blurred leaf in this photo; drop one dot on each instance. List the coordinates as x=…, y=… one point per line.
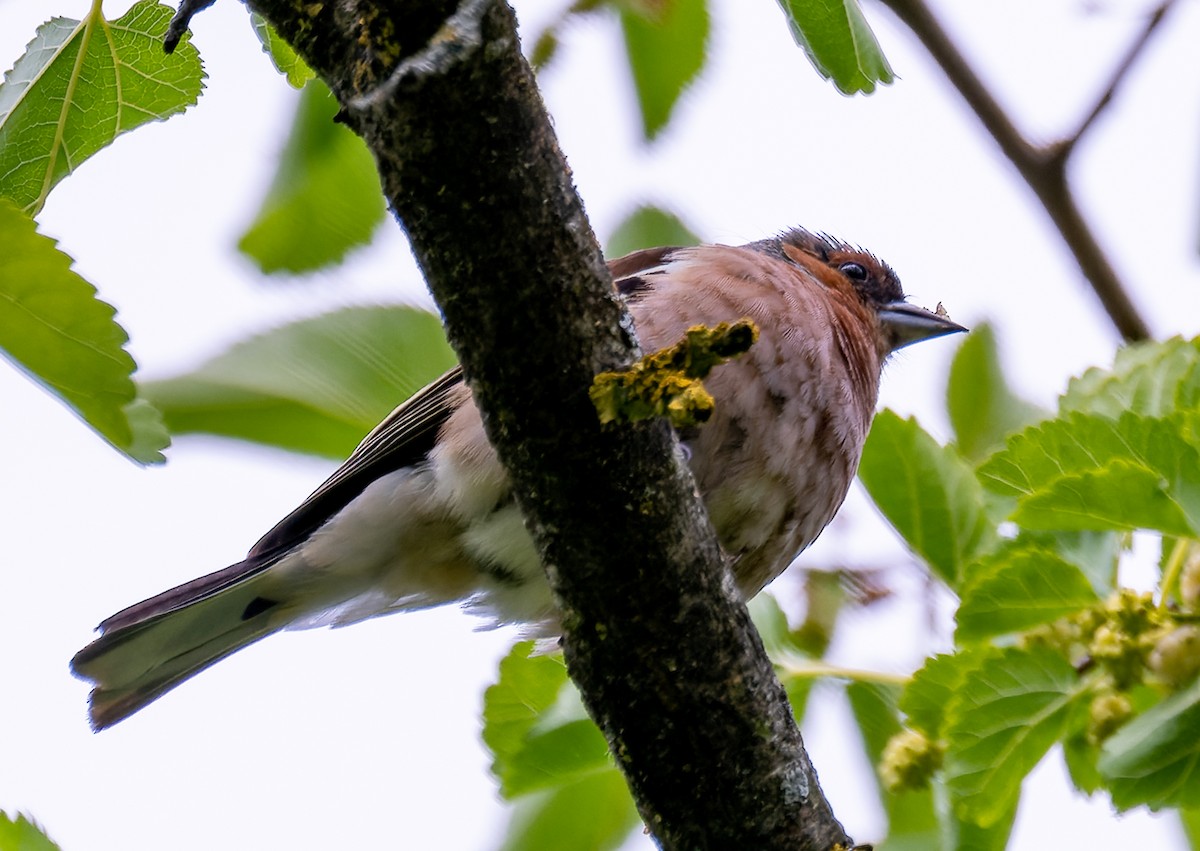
x=1017, y=588
x=912, y=822
x=593, y=813
x=1086, y=471
x=284, y=59
x=317, y=385
x=771, y=622
x=666, y=42
x=648, y=227
x=927, y=492
x=55, y=328
x=1155, y=758
x=536, y=727
x=1080, y=756
x=1001, y=721
x=838, y=41
x=983, y=410
x=825, y=600
x=21, y=834
x=1190, y=820
x=325, y=198
x=78, y=86
x=961, y=835
x=1148, y=378
x=1095, y=553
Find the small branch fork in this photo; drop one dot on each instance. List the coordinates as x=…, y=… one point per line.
x=1044, y=167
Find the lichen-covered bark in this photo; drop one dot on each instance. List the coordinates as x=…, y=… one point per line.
x=664, y=653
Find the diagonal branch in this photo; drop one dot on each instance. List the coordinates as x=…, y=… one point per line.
x=1066, y=146
x=1044, y=169
x=655, y=635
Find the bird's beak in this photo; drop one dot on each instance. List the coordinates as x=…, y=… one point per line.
x=909, y=324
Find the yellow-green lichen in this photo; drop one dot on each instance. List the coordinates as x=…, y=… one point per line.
x=668, y=383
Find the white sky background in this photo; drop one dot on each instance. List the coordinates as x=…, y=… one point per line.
x=349, y=738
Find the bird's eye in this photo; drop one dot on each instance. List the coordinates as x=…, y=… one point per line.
x=854, y=271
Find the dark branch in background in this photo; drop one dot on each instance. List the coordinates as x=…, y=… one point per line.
x=1064, y=148
x=1044, y=168
x=655, y=635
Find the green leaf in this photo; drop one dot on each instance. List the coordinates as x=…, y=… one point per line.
x=325, y=198
x=838, y=41
x=983, y=410
x=961, y=835
x=1155, y=758
x=78, y=86
x=1017, y=588
x=1147, y=378
x=1190, y=821
x=1080, y=756
x=928, y=694
x=912, y=822
x=55, y=328
x=648, y=227
x=666, y=42
x=315, y=386
x=593, y=813
x=285, y=60
x=536, y=727
x=1121, y=495
x=21, y=834
x=1097, y=554
x=1001, y=721
x=927, y=492
x=1087, y=471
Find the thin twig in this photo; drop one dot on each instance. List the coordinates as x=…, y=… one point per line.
x=1066, y=146
x=1040, y=167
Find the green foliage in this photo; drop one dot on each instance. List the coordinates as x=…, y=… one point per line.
x=911, y=814
x=79, y=85
x=1107, y=672
x=325, y=198
x=1000, y=722
x=666, y=43
x=1154, y=379
x=839, y=43
x=549, y=756
x=982, y=408
x=21, y=834
x=317, y=385
x=928, y=492
x=1155, y=758
x=1019, y=587
x=648, y=227
x=1089, y=471
x=591, y=813
x=55, y=328
x=284, y=59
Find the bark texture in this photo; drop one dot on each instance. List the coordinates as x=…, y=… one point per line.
x=666, y=657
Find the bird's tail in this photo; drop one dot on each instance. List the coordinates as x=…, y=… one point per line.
x=151, y=647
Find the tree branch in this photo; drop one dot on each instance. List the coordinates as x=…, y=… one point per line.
x=1066, y=146
x=654, y=633
x=1044, y=169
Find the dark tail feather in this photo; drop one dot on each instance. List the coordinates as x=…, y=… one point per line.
x=146, y=650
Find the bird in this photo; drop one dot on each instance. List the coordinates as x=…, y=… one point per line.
x=422, y=514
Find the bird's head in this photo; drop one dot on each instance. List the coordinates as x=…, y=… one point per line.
x=862, y=276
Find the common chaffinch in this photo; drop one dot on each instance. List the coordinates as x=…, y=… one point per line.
x=422, y=513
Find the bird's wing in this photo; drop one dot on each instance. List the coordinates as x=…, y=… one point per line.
x=404, y=438
x=628, y=271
